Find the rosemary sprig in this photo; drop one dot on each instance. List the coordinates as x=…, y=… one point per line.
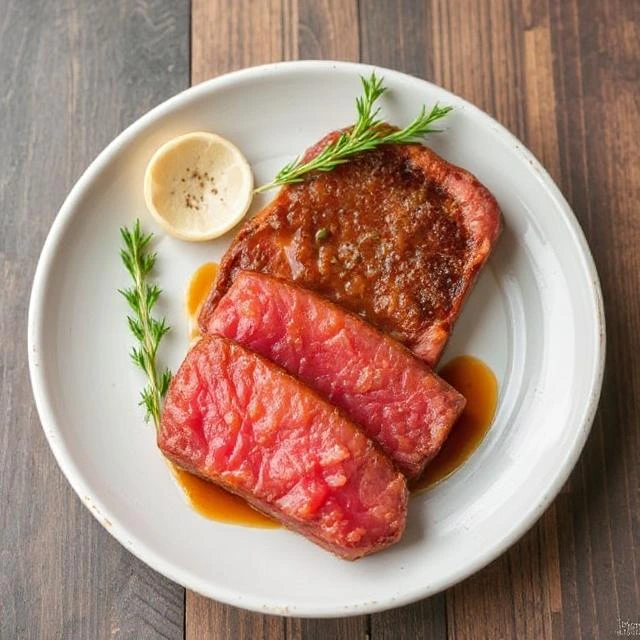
x=367, y=133
x=147, y=330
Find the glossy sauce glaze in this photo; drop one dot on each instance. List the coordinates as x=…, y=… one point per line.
x=470, y=376
x=402, y=258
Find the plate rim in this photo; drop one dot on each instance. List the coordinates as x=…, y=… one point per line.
x=139, y=548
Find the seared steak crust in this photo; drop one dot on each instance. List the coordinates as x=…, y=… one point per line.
x=397, y=236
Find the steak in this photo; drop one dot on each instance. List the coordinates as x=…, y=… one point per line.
x=397, y=235
x=380, y=385
x=238, y=420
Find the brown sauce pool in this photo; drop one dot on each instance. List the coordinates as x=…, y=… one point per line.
x=470, y=376
x=199, y=285
x=477, y=383
x=215, y=503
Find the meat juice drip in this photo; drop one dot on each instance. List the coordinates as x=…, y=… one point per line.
x=205, y=497
x=468, y=375
x=478, y=384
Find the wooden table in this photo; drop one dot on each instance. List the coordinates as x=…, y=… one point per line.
x=562, y=75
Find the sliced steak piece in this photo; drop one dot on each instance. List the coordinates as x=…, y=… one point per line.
x=396, y=399
x=397, y=235
x=236, y=419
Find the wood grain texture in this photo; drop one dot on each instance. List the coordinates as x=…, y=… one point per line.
x=74, y=74
x=563, y=76
x=226, y=36
x=207, y=619
x=598, y=72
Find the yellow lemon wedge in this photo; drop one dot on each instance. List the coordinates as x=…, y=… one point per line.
x=198, y=186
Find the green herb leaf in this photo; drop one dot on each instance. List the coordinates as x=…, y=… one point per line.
x=366, y=134
x=147, y=330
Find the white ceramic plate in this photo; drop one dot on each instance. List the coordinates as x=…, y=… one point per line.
x=535, y=317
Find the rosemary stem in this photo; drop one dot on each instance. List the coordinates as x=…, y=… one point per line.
x=366, y=134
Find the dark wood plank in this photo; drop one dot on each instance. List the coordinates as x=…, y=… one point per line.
x=327, y=29
x=425, y=619
x=228, y=36
x=73, y=74
x=596, y=74
x=354, y=628
x=396, y=35
x=207, y=619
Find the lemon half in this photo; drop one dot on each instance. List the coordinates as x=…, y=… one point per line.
x=198, y=186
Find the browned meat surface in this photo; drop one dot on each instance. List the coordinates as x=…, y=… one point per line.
x=397, y=236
